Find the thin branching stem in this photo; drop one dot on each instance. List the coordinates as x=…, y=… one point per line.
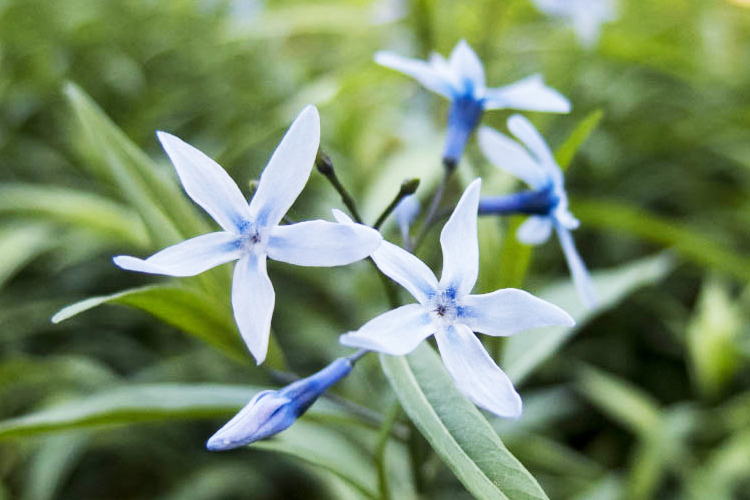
x=325, y=167
x=407, y=187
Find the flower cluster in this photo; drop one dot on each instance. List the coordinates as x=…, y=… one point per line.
x=252, y=232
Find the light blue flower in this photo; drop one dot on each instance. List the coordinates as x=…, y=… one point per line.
x=447, y=310
x=270, y=412
x=584, y=16
x=406, y=211
x=461, y=79
x=251, y=233
x=536, y=166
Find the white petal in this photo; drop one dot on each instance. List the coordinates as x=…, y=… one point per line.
x=188, y=258
x=421, y=71
x=475, y=373
x=467, y=67
x=535, y=230
x=554, y=7
x=406, y=211
x=407, y=270
x=581, y=277
x=322, y=243
x=528, y=94
x=443, y=69
x=207, y=183
x=508, y=311
x=508, y=155
x=530, y=136
x=396, y=332
x=252, y=301
x=288, y=169
x=460, y=244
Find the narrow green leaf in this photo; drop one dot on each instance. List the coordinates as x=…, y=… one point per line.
x=330, y=449
x=67, y=206
x=688, y=242
x=621, y=400
x=457, y=431
x=52, y=463
x=190, y=310
x=19, y=244
x=526, y=351
x=134, y=403
x=565, y=153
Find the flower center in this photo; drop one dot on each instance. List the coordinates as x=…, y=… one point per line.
x=443, y=307
x=253, y=239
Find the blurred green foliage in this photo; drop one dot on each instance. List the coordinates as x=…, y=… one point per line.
x=649, y=397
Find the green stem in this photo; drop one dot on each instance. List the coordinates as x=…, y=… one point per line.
x=407, y=187
x=432, y=213
x=325, y=167
x=382, y=444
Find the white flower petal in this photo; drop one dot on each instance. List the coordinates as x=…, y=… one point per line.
x=395, y=332
x=421, y=71
x=581, y=277
x=522, y=128
x=187, y=258
x=535, y=230
x=288, y=169
x=467, y=67
x=508, y=311
x=460, y=244
x=407, y=270
x=508, y=155
x=207, y=183
x=252, y=301
x=528, y=94
x=475, y=373
x=322, y=243
x=443, y=69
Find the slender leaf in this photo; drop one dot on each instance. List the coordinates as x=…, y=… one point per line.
x=190, y=310
x=67, y=206
x=456, y=429
x=526, y=351
x=19, y=244
x=565, y=153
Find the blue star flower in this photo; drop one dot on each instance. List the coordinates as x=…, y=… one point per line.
x=461, y=79
x=584, y=16
x=548, y=202
x=447, y=310
x=270, y=412
x=251, y=233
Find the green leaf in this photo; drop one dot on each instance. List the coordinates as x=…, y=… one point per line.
x=154, y=192
x=19, y=244
x=687, y=241
x=134, y=403
x=190, y=310
x=456, y=429
x=329, y=448
x=621, y=400
x=565, y=153
x=526, y=351
x=52, y=464
x=67, y=206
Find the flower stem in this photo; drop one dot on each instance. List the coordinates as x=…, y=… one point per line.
x=407, y=187
x=325, y=166
x=432, y=213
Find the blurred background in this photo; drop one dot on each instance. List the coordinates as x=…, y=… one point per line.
x=649, y=397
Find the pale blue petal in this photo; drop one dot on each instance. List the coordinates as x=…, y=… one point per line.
x=528, y=94
x=188, y=258
x=522, y=128
x=535, y=230
x=508, y=155
x=421, y=71
x=253, y=422
x=460, y=244
x=406, y=211
x=554, y=7
x=407, y=270
x=252, y=301
x=581, y=277
x=322, y=243
x=207, y=183
x=475, y=373
x=288, y=169
x=443, y=69
x=508, y=311
x=467, y=67
x=396, y=332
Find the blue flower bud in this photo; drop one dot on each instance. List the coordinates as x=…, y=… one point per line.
x=533, y=202
x=270, y=412
x=463, y=117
